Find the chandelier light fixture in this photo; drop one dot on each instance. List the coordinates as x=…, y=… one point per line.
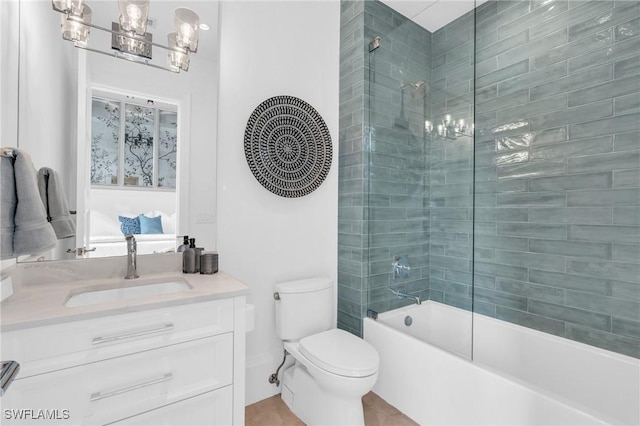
x=129, y=37
x=449, y=128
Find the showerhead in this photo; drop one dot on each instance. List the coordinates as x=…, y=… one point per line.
x=419, y=90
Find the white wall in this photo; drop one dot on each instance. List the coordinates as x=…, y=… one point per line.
x=271, y=48
x=9, y=41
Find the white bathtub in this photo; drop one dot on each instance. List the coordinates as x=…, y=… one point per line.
x=518, y=376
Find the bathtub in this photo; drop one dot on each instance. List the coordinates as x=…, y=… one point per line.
x=518, y=376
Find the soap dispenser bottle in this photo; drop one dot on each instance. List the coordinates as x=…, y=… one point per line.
x=199, y=251
x=189, y=258
x=185, y=244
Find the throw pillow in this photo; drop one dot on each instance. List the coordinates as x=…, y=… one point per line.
x=150, y=225
x=129, y=225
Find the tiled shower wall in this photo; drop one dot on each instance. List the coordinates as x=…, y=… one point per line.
x=557, y=168
x=398, y=93
x=451, y=166
x=556, y=235
x=352, y=173
x=383, y=157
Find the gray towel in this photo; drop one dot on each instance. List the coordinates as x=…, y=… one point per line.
x=55, y=203
x=32, y=234
x=8, y=202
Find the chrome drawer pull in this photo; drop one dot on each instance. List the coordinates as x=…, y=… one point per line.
x=99, y=395
x=9, y=372
x=131, y=335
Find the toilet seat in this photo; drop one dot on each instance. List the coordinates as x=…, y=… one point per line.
x=341, y=353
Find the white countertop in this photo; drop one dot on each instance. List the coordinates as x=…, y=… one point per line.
x=42, y=303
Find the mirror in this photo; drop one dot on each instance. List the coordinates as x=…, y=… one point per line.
x=56, y=83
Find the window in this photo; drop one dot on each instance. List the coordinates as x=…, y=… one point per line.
x=133, y=143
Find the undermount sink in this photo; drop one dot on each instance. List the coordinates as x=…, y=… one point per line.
x=124, y=290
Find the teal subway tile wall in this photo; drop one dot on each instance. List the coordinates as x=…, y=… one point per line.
x=541, y=208
x=578, y=193
x=398, y=218
x=383, y=157
x=352, y=182
x=451, y=165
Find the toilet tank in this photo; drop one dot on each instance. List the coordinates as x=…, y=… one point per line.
x=305, y=307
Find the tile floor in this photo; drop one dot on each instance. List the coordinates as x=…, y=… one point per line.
x=274, y=412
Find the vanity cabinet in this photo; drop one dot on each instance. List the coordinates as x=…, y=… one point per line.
x=207, y=409
x=177, y=365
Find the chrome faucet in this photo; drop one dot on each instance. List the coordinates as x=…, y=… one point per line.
x=132, y=249
x=402, y=295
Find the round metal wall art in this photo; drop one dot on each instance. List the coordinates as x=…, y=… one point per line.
x=288, y=146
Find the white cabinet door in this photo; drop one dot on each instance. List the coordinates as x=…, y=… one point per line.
x=212, y=408
x=113, y=389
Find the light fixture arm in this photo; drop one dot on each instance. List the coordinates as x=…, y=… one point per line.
x=142, y=61
x=133, y=36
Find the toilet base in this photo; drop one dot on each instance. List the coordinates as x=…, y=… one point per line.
x=313, y=405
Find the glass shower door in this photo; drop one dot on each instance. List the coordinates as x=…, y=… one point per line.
x=419, y=115
x=557, y=177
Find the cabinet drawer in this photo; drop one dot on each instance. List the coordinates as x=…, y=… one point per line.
x=43, y=349
x=212, y=408
x=117, y=388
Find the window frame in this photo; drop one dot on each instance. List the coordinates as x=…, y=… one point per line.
x=157, y=105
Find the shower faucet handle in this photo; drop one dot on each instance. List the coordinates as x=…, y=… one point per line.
x=401, y=267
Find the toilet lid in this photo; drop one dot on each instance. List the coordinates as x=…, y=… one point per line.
x=340, y=352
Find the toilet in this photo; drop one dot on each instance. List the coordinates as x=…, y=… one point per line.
x=333, y=369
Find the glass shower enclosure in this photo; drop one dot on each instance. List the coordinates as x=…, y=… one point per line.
x=492, y=164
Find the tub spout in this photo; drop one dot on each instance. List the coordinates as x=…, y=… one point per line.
x=402, y=295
